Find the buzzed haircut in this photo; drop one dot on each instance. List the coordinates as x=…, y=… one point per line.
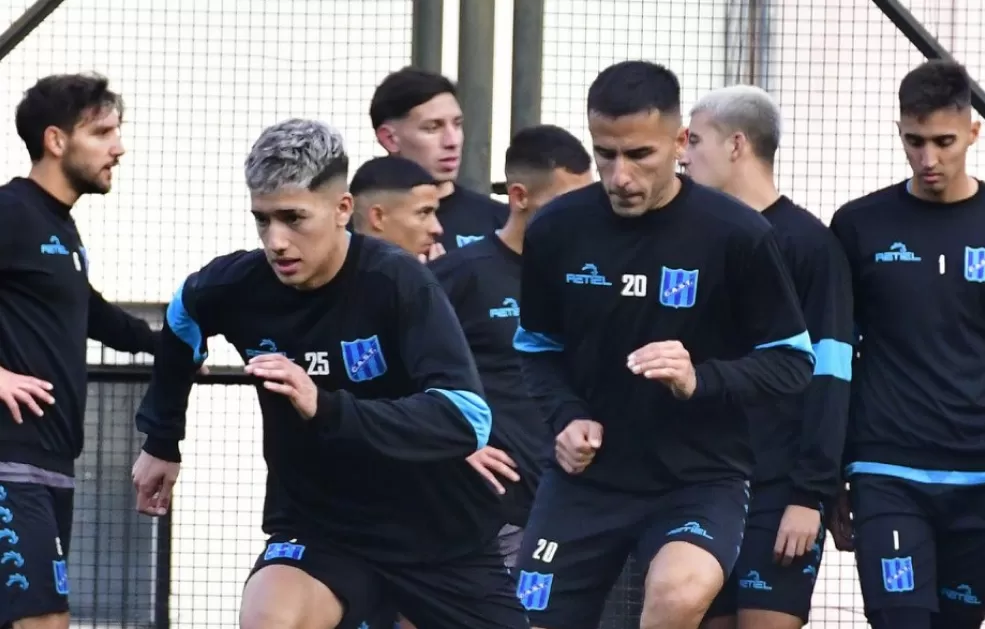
x=405, y=89
x=389, y=174
x=934, y=86
x=382, y=175
x=634, y=87
x=543, y=149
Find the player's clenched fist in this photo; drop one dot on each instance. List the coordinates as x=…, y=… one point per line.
x=668, y=362
x=577, y=444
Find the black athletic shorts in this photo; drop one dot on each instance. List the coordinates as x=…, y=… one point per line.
x=920, y=544
x=579, y=536
x=476, y=592
x=35, y=531
x=757, y=581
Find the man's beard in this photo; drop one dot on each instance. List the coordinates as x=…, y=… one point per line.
x=81, y=182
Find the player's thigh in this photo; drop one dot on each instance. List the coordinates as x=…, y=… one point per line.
x=33, y=573
x=895, y=544
x=768, y=594
x=295, y=585
x=691, y=544
x=476, y=591
x=721, y=613
x=575, y=544
x=961, y=555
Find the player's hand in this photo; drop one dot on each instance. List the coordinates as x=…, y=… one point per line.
x=799, y=527
x=435, y=251
x=577, y=444
x=668, y=362
x=491, y=462
x=281, y=375
x=840, y=522
x=16, y=390
x=154, y=478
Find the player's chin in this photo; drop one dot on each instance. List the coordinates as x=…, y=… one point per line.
x=629, y=210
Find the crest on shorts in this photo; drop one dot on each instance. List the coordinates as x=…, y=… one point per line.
x=363, y=359
x=284, y=550
x=974, y=264
x=678, y=287
x=897, y=574
x=534, y=590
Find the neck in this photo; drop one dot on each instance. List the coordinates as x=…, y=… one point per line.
x=667, y=195
x=52, y=180
x=331, y=268
x=754, y=186
x=512, y=232
x=964, y=187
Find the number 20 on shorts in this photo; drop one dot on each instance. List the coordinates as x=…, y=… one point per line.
x=545, y=551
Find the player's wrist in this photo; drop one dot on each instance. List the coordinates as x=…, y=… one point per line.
x=161, y=448
x=708, y=382
x=806, y=498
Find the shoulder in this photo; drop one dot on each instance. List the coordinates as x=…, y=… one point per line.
x=571, y=208
x=12, y=205
x=473, y=198
x=230, y=270
x=723, y=213
x=462, y=262
x=391, y=266
x=856, y=209
x=800, y=227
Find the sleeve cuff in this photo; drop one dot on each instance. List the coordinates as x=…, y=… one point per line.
x=164, y=449
x=809, y=499
x=708, y=382
x=328, y=413
x=567, y=413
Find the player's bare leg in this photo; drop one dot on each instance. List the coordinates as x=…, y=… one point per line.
x=681, y=583
x=283, y=597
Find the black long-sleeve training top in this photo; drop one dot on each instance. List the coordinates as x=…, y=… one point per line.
x=483, y=284
x=467, y=216
x=801, y=437
x=380, y=470
x=47, y=310
x=918, y=269
x=704, y=270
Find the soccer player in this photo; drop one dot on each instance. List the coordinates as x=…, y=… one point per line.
x=916, y=440
x=416, y=114
x=396, y=199
x=732, y=142
x=370, y=403
x=70, y=125
x=483, y=284
x=654, y=311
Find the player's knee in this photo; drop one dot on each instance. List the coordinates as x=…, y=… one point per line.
x=282, y=597
x=681, y=583
x=48, y=621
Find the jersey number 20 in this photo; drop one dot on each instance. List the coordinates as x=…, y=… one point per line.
x=633, y=285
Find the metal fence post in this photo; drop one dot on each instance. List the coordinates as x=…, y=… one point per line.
x=476, y=48
x=427, y=34
x=528, y=64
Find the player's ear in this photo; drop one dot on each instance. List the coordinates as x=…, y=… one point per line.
x=386, y=135
x=375, y=216
x=680, y=141
x=739, y=144
x=976, y=127
x=55, y=141
x=343, y=211
x=519, y=196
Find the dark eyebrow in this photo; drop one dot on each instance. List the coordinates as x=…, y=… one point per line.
x=279, y=213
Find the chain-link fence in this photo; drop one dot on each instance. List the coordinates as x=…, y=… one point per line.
x=202, y=78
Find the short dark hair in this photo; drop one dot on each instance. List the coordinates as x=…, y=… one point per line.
x=634, y=87
x=933, y=86
x=404, y=90
x=389, y=174
x=62, y=101
x=545, y=148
